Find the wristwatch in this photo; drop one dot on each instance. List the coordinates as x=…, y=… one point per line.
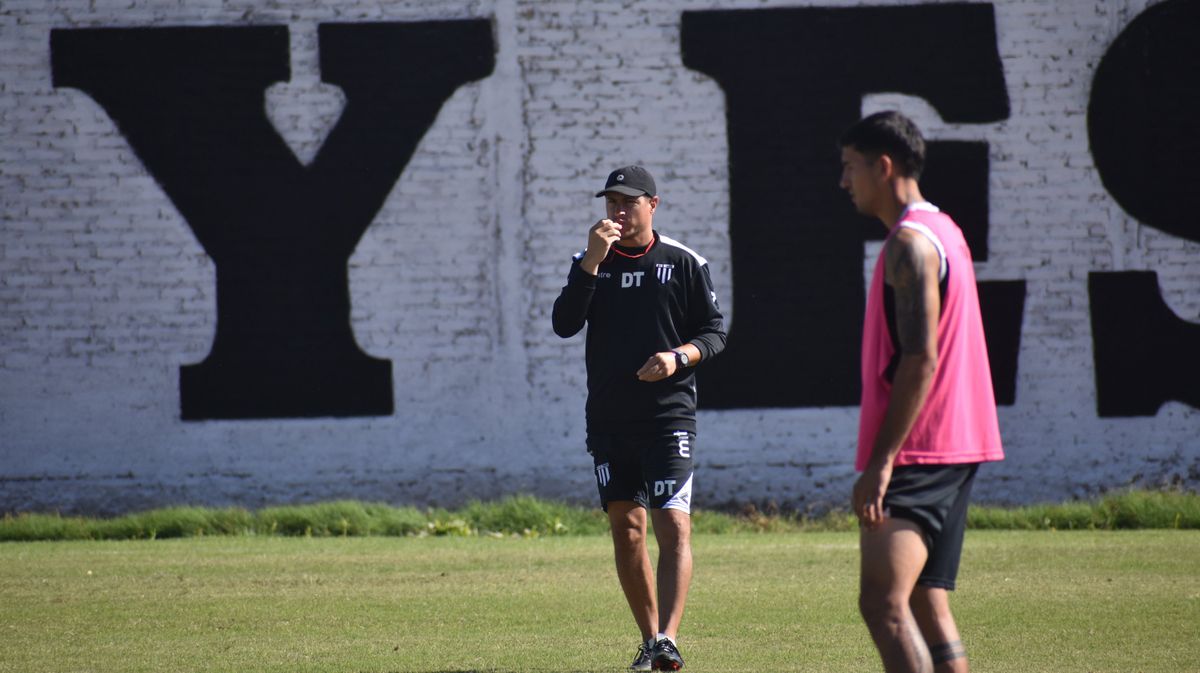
x=682, y=359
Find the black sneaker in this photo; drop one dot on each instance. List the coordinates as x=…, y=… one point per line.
x=666, y=656
x=641, y=662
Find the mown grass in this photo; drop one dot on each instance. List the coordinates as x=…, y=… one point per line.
x=1027, y=602
x=527, y=516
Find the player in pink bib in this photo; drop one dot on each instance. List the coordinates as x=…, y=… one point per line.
x=928, y=411
x=957, y=423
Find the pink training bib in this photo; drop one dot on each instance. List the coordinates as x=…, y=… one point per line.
x=958, y=422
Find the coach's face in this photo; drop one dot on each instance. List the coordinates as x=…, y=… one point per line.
x=635, y=214
x=861, y=178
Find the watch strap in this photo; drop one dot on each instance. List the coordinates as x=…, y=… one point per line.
x=681, y=359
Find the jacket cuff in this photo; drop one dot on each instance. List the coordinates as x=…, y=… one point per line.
x=581, y=278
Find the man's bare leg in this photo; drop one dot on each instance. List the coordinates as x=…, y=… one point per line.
x=893, y=555
x=673, y=530
x=931, y=608
x=628, y=522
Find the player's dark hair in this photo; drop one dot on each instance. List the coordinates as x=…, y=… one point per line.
x=889, y=133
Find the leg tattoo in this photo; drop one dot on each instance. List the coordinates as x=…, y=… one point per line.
x=947, y=652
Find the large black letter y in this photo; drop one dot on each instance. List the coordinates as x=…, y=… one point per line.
x=190, y=102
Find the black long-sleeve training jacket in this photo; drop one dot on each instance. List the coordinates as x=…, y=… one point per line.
x=640, y=303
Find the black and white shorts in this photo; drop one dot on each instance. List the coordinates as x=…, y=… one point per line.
x=935, y=497
x=653, y=470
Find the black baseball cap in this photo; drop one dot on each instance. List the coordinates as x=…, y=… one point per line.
x=630, y=181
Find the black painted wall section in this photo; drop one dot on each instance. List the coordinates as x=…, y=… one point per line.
x=190, y=102
x=956, y=179
x=1145, y=354
x=797, y=246
x=1002, y=303
x=1144, y=131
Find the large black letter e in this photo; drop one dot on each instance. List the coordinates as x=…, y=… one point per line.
x=794, y=79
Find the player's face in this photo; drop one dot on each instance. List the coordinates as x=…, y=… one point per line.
x=634, y=214
x=861, y=179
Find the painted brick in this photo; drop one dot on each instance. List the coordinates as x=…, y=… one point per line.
x=106, y=292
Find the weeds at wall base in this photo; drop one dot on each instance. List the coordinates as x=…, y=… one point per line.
x=528, y=516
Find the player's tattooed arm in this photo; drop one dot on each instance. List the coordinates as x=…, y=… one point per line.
x=911, y=269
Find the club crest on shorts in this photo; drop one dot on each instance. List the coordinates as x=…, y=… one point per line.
x=602, y=474
x=663, y=271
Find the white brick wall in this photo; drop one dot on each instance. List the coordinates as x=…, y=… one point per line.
x=105, y=292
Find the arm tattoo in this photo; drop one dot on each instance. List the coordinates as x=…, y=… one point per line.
x=907, y=271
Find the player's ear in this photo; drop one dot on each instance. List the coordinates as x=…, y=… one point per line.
x=885, y=166
x=653, y=203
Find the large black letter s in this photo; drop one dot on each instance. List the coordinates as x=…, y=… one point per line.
x=1143, y=129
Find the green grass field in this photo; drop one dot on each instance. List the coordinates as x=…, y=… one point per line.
x=1029, y=601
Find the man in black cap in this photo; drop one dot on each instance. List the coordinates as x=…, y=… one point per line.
x=652, y=317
